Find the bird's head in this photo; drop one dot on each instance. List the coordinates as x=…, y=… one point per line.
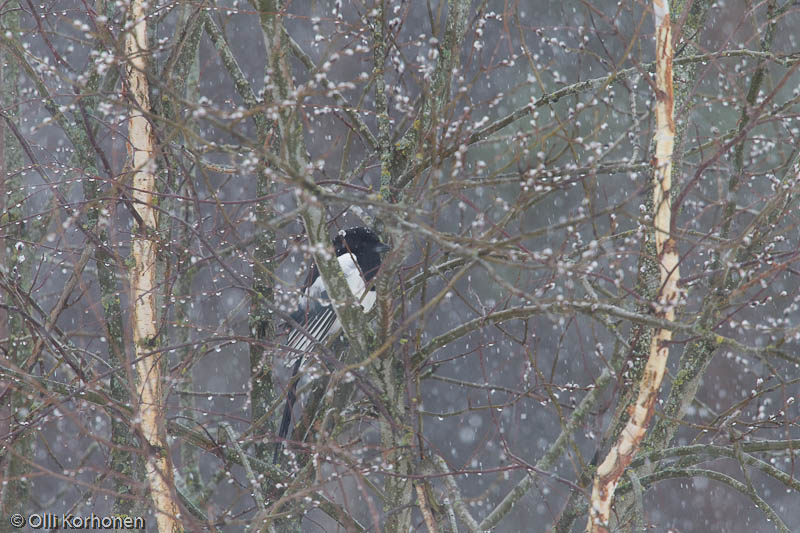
x=357, y=241
x=364, y=245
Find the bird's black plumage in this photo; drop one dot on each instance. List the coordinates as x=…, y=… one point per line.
x=358, y=251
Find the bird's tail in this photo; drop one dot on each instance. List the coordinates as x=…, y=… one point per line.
x=286, y=420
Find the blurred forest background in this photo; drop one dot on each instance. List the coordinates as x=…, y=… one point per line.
x=505, y=151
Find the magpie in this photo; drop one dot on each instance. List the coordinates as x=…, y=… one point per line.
x=359, y=252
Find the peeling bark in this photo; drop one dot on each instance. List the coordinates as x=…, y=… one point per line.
x=143, y=279
x=621, y=454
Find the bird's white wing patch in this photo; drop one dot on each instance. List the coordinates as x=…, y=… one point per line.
x=352, y=274
x=320, y=318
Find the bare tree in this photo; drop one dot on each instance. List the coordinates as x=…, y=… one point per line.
x=587, y=318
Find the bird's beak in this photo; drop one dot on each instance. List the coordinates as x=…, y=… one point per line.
x=380, y=248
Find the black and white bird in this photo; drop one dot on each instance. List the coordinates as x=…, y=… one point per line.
x=359, y=253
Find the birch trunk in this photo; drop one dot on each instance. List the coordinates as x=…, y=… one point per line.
x=621, y=454
x=143, y=278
